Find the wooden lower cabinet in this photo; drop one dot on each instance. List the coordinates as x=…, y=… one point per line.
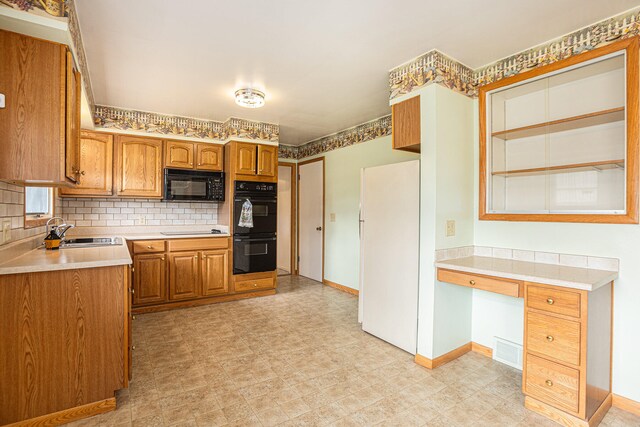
x=184, y=275
x=215, y=272
x=187, y=272
x=63, y=344
x=149, y=279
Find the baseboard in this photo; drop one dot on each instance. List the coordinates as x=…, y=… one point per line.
x=445, y=358
x=69, y=415
x=553, y=414
x=481, y=349
x=341, y=287
x=626, y=404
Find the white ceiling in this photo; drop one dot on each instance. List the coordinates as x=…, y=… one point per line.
x=323, y=64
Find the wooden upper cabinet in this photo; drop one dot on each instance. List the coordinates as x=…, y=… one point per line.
x=183, y=275
x=72, y=144
x=245, y=158
x=209, y=157
x=214, y=272
x=149, y=279
x=39, y=126
x=267, y=160
x=179, y=154
x=138, y=166
x=96, y=166
x=405, y=123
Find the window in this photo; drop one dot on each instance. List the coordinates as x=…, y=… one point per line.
x=38, y=206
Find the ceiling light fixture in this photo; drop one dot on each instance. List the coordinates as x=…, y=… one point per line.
x=249, y=98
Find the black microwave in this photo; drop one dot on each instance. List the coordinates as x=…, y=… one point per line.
x=193, y=185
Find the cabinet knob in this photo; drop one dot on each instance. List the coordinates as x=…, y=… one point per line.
x=472, y=282
x=162, y=259
x=549, y=383
x=550, y=301
x=78, y=171
x=133, y=317
x=133, y=291
x=255, y=285
x=133, y=347
x=149, y=247
x=549, y=338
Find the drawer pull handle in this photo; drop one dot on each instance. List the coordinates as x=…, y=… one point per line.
x=549, y=338
x=549, y=383
x=550, y=301
x=149, y=247
x=472, y=282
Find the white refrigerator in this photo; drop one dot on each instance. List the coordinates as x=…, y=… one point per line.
x=389, y=252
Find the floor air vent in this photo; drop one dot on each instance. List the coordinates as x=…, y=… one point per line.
x=508, y=352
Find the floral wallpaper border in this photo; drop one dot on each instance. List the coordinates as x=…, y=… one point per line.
x=124, y=119
x=435, y=67
x=76, y=36
x=362, y=133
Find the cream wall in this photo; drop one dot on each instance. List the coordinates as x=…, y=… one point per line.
x=496, y=315
x=342, y=197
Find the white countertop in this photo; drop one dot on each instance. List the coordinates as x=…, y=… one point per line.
x=41, y=259
x=587, y=279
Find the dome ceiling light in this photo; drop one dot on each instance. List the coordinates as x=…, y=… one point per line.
x=249, y=98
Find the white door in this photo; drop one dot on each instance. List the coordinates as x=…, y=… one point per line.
x=311, y=219
x=390, y=214
x=285, y=174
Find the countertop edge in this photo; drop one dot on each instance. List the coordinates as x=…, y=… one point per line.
x=67, y=266
x=544, y=280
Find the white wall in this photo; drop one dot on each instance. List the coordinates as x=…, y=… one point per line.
x=496, y=316
x=284, y=217
x=342, y=198
x=444, y=313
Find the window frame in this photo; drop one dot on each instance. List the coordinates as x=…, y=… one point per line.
x=32, y=221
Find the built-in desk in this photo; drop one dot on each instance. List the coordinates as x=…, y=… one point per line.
x=566, y=373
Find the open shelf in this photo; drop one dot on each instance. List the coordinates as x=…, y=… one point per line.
x=602, y=165
x=569, y=123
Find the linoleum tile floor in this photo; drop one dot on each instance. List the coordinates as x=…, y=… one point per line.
x=300, y=358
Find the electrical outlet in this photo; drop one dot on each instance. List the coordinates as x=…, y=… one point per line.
x=6, y=230
x=332, y=217
x=451, y=228
x=142, y=220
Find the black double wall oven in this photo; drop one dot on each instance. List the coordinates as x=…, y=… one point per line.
x=254, y=248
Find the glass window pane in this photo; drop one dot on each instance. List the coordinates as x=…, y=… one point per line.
x=37, y=200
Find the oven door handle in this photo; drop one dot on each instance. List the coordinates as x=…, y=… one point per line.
x=268, y=239
x=255, y=199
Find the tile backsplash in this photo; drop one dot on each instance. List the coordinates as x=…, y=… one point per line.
x=127, y=212
x=12, y=208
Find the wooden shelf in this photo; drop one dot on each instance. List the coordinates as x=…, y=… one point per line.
x=602, y=165
x=569, y=123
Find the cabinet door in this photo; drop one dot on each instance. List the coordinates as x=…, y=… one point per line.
x=149, y=283
x=267, y=160
x=178, y=154
x=183, y=275
x=209, y=157
x=96, y=166
x=245, y=158
x=405, y=120
x=33, y=77
x=138, y=166
x=215, y=268
x=72, y=138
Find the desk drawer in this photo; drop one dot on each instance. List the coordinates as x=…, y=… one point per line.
x=484, y=283
x=553, y=300
x=148, y=246
x=554, y=384
x=555, y=338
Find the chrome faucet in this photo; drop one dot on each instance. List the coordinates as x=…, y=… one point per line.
x=60, y=229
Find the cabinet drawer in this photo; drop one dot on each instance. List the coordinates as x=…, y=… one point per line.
x=254, y=284
x=553, y=300
x=484, y=283
x=148, y=246
x=554, y=384
x=553, y=337
x=198, y=244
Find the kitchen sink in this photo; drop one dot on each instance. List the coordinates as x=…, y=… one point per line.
x=89, y=242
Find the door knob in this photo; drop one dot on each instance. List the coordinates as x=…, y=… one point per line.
x=318, y=228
